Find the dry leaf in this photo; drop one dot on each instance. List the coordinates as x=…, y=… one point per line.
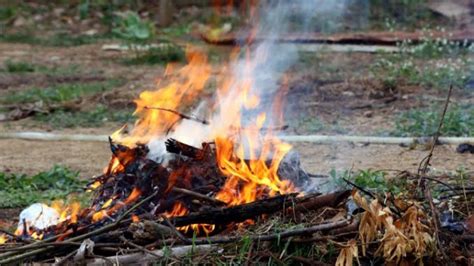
x=347, y=254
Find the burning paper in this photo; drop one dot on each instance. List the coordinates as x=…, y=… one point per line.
x=39, y=216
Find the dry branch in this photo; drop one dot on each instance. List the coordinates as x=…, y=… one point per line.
x=141, y=258
x=270, y=237
x=235, y=214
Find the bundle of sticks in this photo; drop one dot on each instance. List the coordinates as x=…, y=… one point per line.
x=143, y=240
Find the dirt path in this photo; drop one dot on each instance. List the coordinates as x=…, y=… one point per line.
x=30, y=157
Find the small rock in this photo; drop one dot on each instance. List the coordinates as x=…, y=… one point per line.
x=37, y=17
x=348, y=93
x=19, y=21
x=368, y=114
x=91, y=32
x=58, y=11
x=465, y=148
x=469, y=224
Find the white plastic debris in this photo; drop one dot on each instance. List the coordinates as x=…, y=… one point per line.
x=39, y=216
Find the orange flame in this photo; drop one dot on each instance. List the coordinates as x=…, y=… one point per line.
x=180, y=210
x=182, y=91
x=3, y=239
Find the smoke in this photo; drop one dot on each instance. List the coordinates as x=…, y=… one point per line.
x=265, y=59
x=262, y=64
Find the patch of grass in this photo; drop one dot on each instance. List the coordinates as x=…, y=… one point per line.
x=60, y=93
x=60, y=39
x=158, y=55
x=459, y=121
x=14, y=66
x=68, y=40
x=373, y=180
x=177, y=30
x=402, y=14
x=432, y=63
x=22, y=190
x=19, y=66
x=93, y=118
x=311, y=124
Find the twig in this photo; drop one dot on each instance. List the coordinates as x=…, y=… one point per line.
x=12, y=235
x=427, y=159
x=198, y=195
x=202, y=121
x=176, y=232
x=395, y=210
x=140, y=258
x=422, y=170
x=270, y=237
x=368, y=193
x=126, y=241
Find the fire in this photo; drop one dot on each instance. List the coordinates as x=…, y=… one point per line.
x=3, y=239
x=188, y=83
x=180, y=210
x=247, y=152
x=106, y=211
x=248, y=159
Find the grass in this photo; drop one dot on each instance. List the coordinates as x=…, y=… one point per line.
x=373, y=180
x=19, y=66
x=157, y=55
x=433, y=63
x=22, y=190
x=459, y=121
x=92, y=118
x=57, y=40
x=60, y=93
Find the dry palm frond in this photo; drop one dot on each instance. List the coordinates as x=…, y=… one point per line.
x=347, y=254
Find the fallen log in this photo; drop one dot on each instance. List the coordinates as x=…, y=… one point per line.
x=235, y=214
x=240, y=213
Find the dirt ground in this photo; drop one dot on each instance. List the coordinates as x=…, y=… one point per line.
x=353, y=102
x=30, y=157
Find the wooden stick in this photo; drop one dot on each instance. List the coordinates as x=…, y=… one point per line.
x=140, y=258
x=198, y=195
x=270, y=237
x=202, y=121
x=235, y=214
x=422, y=172
x=126, y=241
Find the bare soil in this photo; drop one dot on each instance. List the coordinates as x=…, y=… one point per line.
x=349, y=99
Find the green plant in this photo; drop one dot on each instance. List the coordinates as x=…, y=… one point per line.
x=431, y=63
x=311, y=124
x=94, y=118
x=134, y=31
x=158, y=55
x=19, y=66
x=56, y=40
x=22, y=190
x=369, y=179
x=458, y=121
x=60, y=93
